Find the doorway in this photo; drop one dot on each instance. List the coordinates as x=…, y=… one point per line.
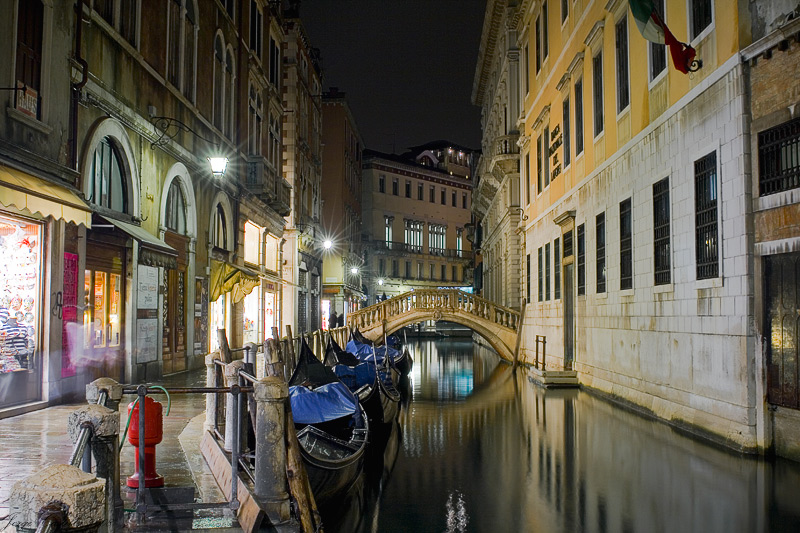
x=569, y=316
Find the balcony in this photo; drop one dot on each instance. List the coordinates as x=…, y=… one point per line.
x=401, y=248
x=263, y=181
x=506, y=153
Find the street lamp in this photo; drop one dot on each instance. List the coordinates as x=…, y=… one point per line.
x=218, y=166
x=327, y=244
x=354, y=270
x=380, y=282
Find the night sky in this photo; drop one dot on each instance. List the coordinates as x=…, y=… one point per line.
x=406, y=65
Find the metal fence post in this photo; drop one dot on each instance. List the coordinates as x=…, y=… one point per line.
x=231, y=407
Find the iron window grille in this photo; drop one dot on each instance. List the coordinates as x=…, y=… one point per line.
x=625, y=245
x=581, y=260
x=779, y=158
x=661, y=236
x=565, y=122
x=557, y=270
x=705, y=187
x=528, y=276
x=623, y=90
x=600, y=236
x=567, y=238
x=547, y=271
x=541, y=275
x=578, y=117
x=597, y=71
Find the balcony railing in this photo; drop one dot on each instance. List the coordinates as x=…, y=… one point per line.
x=506, y=145
x=267, y=184
x=401, y=247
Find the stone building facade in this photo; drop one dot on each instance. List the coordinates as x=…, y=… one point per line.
x=123, y=102
x=342, y=219
x=302, y=168
x=640, y=222
x=417, y=208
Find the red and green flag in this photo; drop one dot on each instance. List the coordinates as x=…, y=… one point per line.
x=653, y=29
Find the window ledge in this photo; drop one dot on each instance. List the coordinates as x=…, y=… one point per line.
x=660, y=289
x=626, y=293
x=704, y=34
x=29, y=121
x=624, y=112
x=658, y=79
x=708, y=283
x=599, y=136
x=779, y=199
x=601, y=295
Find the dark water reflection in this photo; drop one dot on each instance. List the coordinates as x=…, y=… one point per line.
x=479, y=450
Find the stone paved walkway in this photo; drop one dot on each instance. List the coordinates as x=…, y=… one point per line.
x=34, y=440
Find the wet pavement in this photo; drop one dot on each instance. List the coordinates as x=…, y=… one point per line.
x=35, y=440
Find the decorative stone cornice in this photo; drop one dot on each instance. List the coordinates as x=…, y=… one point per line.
x=545, y=113
x=565, y=218
x=595, y=34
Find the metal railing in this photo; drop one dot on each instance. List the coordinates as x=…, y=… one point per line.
x=432, y=300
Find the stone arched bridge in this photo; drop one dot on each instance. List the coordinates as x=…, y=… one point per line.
x=497, y=324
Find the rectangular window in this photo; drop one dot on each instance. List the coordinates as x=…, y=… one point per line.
x=547, y=271
x=381, y=267
x=566, y=132
x=539, y=187
x=453, y=198
x=705, y=204
x=408, y=189
x=567, y=238
x=444, y=273
x=623, y=83
x=419, y=270
x=432, y=194
x=463, y=200
x=395, y=269
x=546, y=144
x=779, y=158
x=700, y=16
x=578, y=117
x=625, y=245
x=408, y=269
x=541, y=274
x=387, y=232
x=455, y=273
x=420, y=192
x=658, y=52
x=274, y=63
x=581, y=260
x=661, y=235
x=600, y=238
x=557, y=270
x=538, y=44
x=564, y=10
x=381, y=183
x=528, y=276
x=597, y=86
x=444, y=196
x=256, y=27
x=527, y=59
x=545, y=36
x=528, y=178
x=432, y=271
x=30, y=20
x=395, y=186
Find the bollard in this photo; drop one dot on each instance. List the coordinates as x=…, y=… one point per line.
x=211, y=398
x=146, y=431
x=271, y=486
x=231, y=407
x=81, y=493
x=113, y=389
x=105, y=447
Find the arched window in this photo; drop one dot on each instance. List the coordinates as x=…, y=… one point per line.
x=219, y=238
x=255, y=121
x=181, y=45
x=176, y=209
x=107, y=186
x=229, y=90
x=219, y=89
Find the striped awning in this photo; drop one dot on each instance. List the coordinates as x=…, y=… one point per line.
x=37, y=196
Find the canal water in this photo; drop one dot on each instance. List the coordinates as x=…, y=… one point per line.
x=477, y=449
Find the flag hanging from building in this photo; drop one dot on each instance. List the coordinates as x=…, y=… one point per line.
x=653, y=29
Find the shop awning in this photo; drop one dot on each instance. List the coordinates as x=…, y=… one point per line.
x=153, y=251
x=35, y=195
x=226, y=277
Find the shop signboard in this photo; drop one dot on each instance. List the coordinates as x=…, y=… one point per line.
x=27, y=100
x=147, y=314
x=201, y=316
x=69, y=313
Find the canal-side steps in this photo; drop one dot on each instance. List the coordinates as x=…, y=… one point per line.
x=539, y=374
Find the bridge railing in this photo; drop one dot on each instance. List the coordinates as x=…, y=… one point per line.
x=432, y=299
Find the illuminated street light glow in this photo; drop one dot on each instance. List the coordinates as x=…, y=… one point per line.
x=380, y=282
x=218, y=165
x=354, y=270
x=327, y=244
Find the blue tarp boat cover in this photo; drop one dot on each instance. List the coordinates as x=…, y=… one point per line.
x=364, y=352
x=325, y=403
x=357, y=376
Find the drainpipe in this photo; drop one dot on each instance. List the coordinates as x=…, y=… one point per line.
x=75, y=93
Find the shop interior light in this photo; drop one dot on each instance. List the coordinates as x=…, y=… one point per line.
x=218, y=166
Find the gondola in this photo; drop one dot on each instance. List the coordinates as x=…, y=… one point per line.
x=360, y=377
x=387, y=373
x=403, y=361
x=331, y=426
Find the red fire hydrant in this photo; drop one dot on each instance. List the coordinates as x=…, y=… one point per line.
x=153, y=433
